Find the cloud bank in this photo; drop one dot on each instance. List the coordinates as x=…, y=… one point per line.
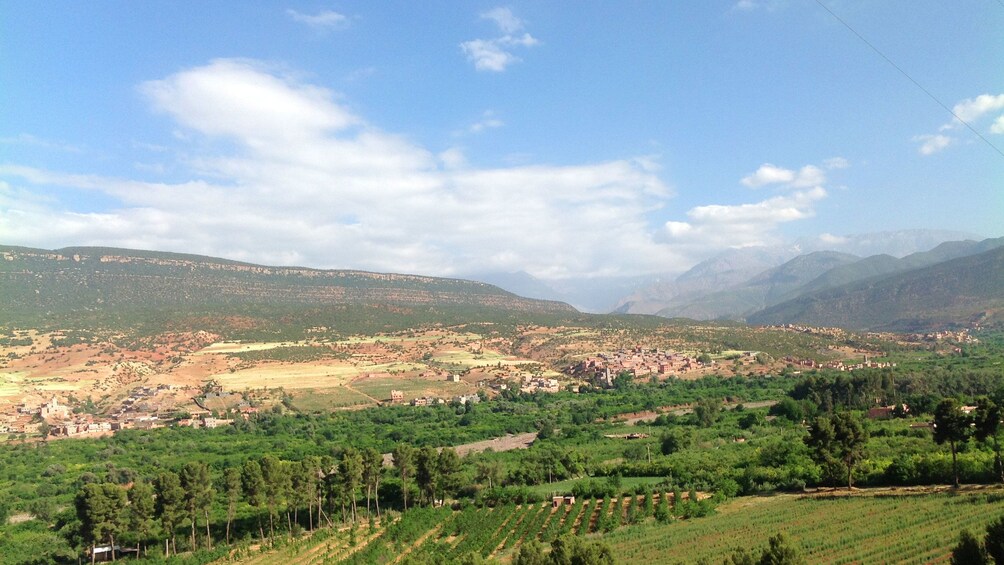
x=281, y=173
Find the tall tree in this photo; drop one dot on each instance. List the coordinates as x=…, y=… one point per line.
x=142, y=508
x=448, y=467
x=254, y=489
x=350, y=469
x=404, y=461
x=198, y=486
x=426, y=473
x=951, y=425
x=232, y=488
x=170, y=507
x=838, y=440
x=988, y=425
x=372, y=467
x=101, y=510
x=275, y=478
x=489, y=471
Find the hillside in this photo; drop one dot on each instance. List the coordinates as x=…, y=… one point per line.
x=958, y=292
x=762, y=290
x=36, y=282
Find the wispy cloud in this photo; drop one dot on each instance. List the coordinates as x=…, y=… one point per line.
x=972, y=111
x=488, y=121
x=768, y=174
x=33, y=141
x=755, y=223
x=325, y=19
x=933, y=143
x=495, y=54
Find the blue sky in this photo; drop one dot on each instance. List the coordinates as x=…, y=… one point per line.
x=567, y=139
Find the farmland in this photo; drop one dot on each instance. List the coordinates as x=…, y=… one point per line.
x=864, y=527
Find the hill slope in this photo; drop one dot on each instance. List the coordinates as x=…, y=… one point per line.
x=958, y=292
x=763, y=290
x=75, y=279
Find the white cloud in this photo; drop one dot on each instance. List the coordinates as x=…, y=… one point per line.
x=495, y=54
x=933, y=143
x=285, y=173
x=836, y=163
x=503, y=17
x=488, y=121
x=767, y=174
x=34, y=141
x=325, y=19
x=973, y=109
x=998, y=125
x=745, y=5
x=742, y=225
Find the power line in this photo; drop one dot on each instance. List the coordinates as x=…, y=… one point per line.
x=911, y=79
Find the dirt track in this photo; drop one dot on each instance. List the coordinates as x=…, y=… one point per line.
x=504, y=443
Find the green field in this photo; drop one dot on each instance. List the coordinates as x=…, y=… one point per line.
x=885, y=528
x=880, y=527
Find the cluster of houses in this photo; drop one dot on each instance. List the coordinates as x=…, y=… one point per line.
x=137, y=411
x=837, y=365
x=397, y=397
x=604, y=367
x=539, y=384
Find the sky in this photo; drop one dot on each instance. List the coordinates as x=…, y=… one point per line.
x=564, y=139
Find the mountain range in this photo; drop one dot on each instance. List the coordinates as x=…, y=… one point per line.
x=38, y=282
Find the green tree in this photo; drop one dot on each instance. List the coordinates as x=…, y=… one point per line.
x=198, y=486
x=351, y=472
x=372, y=470
x=994, y=541
x=489, y=471
x=674, y=440
x=951, y=425
x=706, y=411
x=101, y=510
x=170, y=507
x=142, y=509
x=448, y=467
x=426, y=473
x=404, y=461
x=275, y=479
x=838, y=439
x=232, y=488
x=780, y=552
x=253, y=485
x=969, y=551
x=570, y=549
x=988, y=425
x=531, y=553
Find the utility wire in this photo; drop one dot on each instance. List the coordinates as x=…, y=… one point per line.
x=911, y=79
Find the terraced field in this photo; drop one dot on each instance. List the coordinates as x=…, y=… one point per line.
x=901, y=526
x=886, y=527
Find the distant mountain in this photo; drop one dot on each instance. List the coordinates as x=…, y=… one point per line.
x=879, y=265
x=79, y=279
x=723, y=271
x=690, y=294
x=897, y=243
x=954, y=293
x=762, y=290
x=594, y=294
